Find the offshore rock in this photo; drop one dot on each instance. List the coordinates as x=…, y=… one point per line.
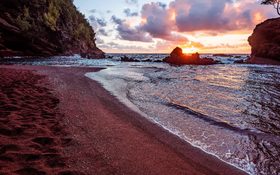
x=177, y=57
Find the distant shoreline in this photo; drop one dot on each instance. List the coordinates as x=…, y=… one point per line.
x=111, y=138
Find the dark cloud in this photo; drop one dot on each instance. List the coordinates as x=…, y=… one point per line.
x=102, y=32
x=158, y=23
x=129, y=13
x=132, y=34
x=99, y=41
x=128, y=33
x=97, y=22
x=102, y=22
x=211, y=16
x=99, y=25
x=132, y=2
x=215, y=15
x=201, y=15
x=162, y=5
x=116, y=20
x=93, y=11
x=113, y=44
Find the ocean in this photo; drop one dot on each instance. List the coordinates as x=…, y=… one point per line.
x=228, y=110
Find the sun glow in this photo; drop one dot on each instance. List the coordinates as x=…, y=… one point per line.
x=143, y=20
x=258, y=17
x=189, y=50
x=173, y=15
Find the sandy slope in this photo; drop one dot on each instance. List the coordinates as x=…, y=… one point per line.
x=109, y=138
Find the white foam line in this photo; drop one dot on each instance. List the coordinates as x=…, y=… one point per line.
x=123, y=99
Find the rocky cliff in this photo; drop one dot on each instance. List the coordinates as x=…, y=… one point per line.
x=265, y=41
x=45, y=28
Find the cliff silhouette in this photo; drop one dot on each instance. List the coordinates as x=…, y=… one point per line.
x=45, y=28
x=265, y=42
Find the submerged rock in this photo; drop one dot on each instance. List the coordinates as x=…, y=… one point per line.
x=127, y=59
x=265, y=42
x=222, y=55
x=239, y=62
x=177, y=57
x=45, y=28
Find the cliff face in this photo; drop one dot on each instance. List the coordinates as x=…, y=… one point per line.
x=45, y=28
x=265, y=40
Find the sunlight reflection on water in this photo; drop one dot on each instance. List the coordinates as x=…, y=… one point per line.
x=231, y=111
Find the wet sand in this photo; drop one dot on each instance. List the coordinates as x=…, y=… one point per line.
x=87, y=129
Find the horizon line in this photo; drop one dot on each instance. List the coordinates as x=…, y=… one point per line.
x=169, y=53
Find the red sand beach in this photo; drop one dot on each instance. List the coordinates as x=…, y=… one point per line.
x=55, y=120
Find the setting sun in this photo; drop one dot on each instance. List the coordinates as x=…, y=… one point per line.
x=189, y=50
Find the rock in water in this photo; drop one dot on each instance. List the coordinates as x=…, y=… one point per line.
x=127, y=59
x=265, y=41
x=177, y=57
x=45, y=28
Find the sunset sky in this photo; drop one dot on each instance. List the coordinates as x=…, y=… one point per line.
x=148, y=26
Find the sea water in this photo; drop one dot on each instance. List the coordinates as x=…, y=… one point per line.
x=229, y=110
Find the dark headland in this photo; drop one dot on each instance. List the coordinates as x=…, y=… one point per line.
x=265, y=43
x=45, y=28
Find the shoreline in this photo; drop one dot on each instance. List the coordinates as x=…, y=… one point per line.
x=125, y=100
x=110, y=138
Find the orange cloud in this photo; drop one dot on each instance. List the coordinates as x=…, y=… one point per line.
x=201, y=25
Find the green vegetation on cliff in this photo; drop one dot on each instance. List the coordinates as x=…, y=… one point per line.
x=51, y=17
x=23, y=20
x=44, y=27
